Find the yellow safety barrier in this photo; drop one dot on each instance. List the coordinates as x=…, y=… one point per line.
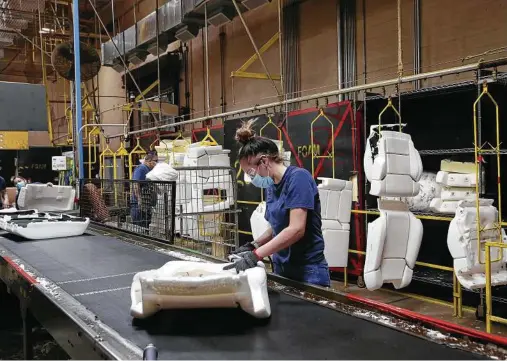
x=331, y=154
x=478, y=152
x=138, y=150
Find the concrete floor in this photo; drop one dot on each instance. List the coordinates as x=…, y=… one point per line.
x=426, y=306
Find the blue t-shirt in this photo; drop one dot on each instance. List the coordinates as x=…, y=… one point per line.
x=297, y=189
x=140, y=172
x=3, y=185
x=139, y=175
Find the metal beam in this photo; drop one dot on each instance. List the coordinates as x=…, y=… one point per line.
x=255, y=46
x=77, y=85
x=333, y=93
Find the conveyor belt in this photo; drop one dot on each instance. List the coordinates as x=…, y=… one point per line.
x=98, y=270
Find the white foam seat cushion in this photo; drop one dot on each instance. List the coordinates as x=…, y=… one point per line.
x=258, y=222
x=162, y=172
x=396, y=169
x=48, y=230
x=336, y=242
x=393, y=244
x=188, y=284
x=457, y=193
x=438, y=205
x=462, y=242
x=335, y=199
x=47, y=198
x=456, y=179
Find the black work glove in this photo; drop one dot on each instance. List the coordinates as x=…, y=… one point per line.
x=245, y=261
x=248, y=247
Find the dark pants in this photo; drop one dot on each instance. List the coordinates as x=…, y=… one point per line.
x=316, y=274
x=141, y=216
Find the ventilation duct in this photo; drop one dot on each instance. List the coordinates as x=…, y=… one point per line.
x=222, y=16
x=187, y=33
x=178, y=19
x=252, y=4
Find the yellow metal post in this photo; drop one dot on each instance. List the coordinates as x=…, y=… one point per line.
x=312, y=144
x=279, y=134
x=478, y=152
x=137, y=150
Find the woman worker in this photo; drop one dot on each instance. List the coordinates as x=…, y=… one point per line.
x=295, y=239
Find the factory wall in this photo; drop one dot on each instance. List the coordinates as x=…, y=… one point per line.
x=451, y=31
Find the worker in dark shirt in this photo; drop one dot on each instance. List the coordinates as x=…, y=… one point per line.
x=3, y=193
x=295, y=239
x=142, y=195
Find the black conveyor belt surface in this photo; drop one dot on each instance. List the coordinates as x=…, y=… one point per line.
x=98, y=270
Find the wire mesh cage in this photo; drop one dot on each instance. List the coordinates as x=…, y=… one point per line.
x=143, y=207
x=206, y=210
x=198, y=211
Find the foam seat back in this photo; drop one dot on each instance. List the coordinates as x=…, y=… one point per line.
x=47, y=198
x=336, y=202
x=469, y=256
x=396, y=168
x=335, y=199
x=188, y=284
x=392, y=247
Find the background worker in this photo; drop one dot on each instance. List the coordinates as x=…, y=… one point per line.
x=19, y=182
x=295, y=239
x=142, y=199
x=3, y=193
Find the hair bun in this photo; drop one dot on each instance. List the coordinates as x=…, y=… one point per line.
x=246, y=132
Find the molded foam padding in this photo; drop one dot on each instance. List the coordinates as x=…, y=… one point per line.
x=437, y=205
x=186, y=284
x=457, y=193
x=48, y=198
x=396, y=168
x=456, y=179
x=38, y=226
x=393, y=244
x=462, y=242
x=335, y=199
x=336, y=239
x=205, y=156
x=258, y=222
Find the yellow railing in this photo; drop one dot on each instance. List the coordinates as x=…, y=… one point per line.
x=138, y=150
x=489, y=297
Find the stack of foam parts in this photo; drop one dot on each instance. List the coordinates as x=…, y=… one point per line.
x=457, y=181
x=466, y=245
x=393, y=167
x=336, y=202
x=47, y=197
x=173, y=151
x=35, y=226
x=190, y=285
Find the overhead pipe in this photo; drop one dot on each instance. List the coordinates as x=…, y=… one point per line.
x=77, y=85
x=333, y=93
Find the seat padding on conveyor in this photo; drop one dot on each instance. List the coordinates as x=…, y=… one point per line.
x=187, y=284
x=462, y=241
x=46, y=197
x=44, y=225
